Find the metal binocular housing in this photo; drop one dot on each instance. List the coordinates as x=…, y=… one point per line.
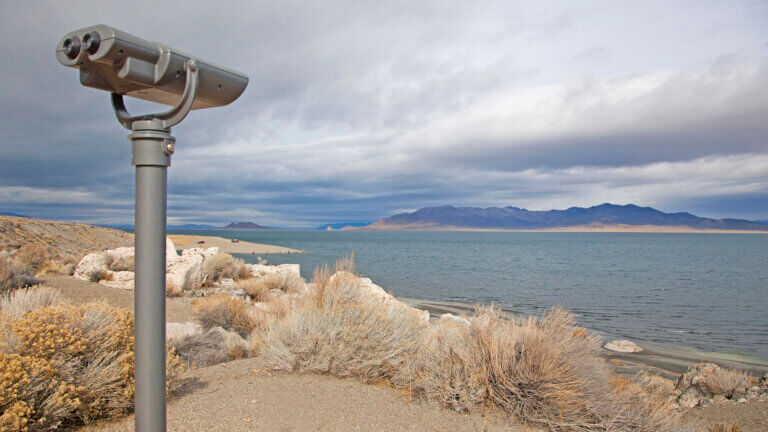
x=120, y=63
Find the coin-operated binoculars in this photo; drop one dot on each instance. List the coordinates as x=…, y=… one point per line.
x=123, y=64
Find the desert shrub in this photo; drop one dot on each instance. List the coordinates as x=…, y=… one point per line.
x=724, y=428
x=100, y=275
x=259, y=289
x=348, y=334
x=253, y=287
x=68, y=364
x=223, y=265
x=13, y=307
x=14, y=275
x=121, y=263
x=221, y=310
x=322, y=275
x=57, y=268
x=243, y=273
x=543, y=371
x=33, y=256
x=202, y=349
x=726, y=382
x=172, y=289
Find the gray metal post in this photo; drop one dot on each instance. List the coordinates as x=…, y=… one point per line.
x=152, y=146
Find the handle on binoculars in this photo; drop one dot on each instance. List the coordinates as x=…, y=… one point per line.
x=169, y=118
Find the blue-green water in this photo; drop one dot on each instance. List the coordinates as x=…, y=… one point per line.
x=707, y=291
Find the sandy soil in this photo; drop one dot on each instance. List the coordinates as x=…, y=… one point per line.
x=177, y=309
x=751, y=416
x=226, y=245
x=242, y=396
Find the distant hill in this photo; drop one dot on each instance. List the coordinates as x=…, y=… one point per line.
x=59, y=238
x=601, y=216
x=244, y=225
x=765, y=221
x=12, y=214
x=341, y=225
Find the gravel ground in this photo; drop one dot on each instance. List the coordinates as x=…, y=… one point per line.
x=242, y=396
x=177, y=309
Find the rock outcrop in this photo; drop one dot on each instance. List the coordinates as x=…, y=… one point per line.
x=706, y=383
x=120, y=279
x=621, y=345
x=90, y=265
x=185, y=273
x=259, y=270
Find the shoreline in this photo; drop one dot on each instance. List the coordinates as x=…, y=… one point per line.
x=186, y=241
x=667, y=360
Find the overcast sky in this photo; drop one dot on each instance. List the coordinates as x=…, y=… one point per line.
x=359, y=110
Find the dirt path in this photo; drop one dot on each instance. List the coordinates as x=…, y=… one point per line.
x=241, y=396
x=80, y=291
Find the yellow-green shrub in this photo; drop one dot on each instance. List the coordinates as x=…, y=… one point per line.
x=66, y=364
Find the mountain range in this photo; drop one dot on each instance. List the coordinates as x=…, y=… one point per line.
x=341, y=225
x=601, y=216
x=244, y=225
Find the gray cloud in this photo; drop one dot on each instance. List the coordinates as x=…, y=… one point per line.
x=358, y=110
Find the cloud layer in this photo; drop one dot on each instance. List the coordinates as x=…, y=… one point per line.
x=356, y=112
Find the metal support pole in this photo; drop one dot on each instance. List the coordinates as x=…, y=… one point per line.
x=152, y=147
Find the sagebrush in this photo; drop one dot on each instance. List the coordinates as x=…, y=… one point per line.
x=62, y=364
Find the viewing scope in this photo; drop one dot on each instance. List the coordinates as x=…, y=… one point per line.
x=118, y=62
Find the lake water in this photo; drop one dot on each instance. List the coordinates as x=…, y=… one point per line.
x=707, y=291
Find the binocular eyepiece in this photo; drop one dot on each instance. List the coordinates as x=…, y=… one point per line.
x=118, y=62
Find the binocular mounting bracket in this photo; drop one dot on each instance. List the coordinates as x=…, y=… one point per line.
x=152, y=143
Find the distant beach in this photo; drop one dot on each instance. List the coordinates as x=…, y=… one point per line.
x=227, y=245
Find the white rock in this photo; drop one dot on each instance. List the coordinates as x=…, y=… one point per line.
x=181, y=330
x=454, y=318
x=205, y=253
x=120, y=279
x=4, y=253
x=121, y=253
x=170, y=250
x=89, y=265
x=259, y=270
x=186, y=272
x=227, y=284
x=239, y=294
x=621, y=345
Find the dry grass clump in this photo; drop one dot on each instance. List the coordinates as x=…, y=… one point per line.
x=221, y=310
x=260, y=289
x=64, y=267
x=14, y=275
x=724, y=428
x=726, y=382
x=62, y=364
x=202, y=349
x=539, y=370
x=33, y=256
x=101, y=275
x=120, y=263
x=223, y=265
x=13, y=307
x=347, y=334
